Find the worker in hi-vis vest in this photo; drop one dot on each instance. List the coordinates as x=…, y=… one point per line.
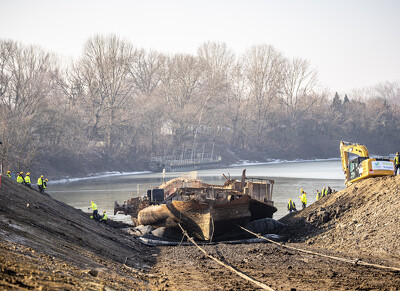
x=303, y=198
x=20, y=178
x=40, y=184
x=396, y=163
x=95, y=214
x=291, y=206
x=27, y=180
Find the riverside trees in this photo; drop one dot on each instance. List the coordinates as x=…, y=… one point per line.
x=116, y=105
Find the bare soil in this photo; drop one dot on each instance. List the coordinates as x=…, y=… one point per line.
x=46, y=244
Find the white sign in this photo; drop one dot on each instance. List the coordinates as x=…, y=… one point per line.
x=360, y=169
x=382, y=165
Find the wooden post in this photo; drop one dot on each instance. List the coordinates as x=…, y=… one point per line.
x=163, y=176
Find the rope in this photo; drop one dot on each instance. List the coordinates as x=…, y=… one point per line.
x=244, y=276
x=355, y=262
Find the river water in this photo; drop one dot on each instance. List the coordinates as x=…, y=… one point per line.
x=289, y=178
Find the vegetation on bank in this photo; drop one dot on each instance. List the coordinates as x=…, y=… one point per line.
x=117, y=105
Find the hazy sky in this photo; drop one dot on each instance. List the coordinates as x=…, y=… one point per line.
x=352, y=43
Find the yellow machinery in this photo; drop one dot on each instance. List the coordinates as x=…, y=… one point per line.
x=361, y=166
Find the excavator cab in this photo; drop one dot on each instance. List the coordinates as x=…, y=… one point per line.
x=355, y=167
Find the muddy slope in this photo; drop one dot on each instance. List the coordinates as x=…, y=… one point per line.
x=44, y=242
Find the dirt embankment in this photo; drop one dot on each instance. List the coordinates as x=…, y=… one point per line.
x=362, y=220
x=47, y=244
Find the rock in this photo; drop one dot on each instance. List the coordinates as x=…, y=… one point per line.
x=93, y=272
x=264, y=225
x=325, y=217
x=143, y=229
x=168, y=233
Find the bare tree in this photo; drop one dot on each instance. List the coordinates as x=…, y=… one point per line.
x=389, y=91
x=182, y=90
x=263, y=71
x=28, y=77
x=299, y=83
x=102, y=73
x=146, y=70
x=217, y=61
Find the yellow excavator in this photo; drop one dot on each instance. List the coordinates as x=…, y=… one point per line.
x=358, y=165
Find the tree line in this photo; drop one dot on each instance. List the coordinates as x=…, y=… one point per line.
x=116, y=105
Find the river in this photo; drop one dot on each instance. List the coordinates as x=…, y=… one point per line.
x=289, y=178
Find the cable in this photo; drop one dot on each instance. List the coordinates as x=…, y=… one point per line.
x=244, y=276
x=355, y=262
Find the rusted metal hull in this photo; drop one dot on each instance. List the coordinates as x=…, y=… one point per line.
x=205, y=221
x=205, y=211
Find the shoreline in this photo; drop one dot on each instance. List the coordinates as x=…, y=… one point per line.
x=236, y=165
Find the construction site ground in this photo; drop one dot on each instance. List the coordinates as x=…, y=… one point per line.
x=46, y=244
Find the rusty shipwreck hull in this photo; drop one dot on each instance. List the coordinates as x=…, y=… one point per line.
x=200, y=219
x=206, y=221
x=205, y=211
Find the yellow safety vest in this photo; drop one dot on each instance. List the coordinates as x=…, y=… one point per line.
x=20, y=179
x=93, y=206
x=303, y=198
x=104, y=217
x=27, y=179
x=40, y=181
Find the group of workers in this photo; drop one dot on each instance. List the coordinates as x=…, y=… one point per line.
x=324, y=192
x=303, y=198
x=96, y=215
x=41, y=183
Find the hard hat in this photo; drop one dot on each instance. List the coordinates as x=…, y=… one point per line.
x=21, y=173
x=104, y=211
x=47, y=180
x=28, y=174
x=8, y=172
x=290, y=199
x=41, y=176
x=301, y=190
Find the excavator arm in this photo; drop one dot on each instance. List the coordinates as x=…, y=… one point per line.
x=354, y=148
